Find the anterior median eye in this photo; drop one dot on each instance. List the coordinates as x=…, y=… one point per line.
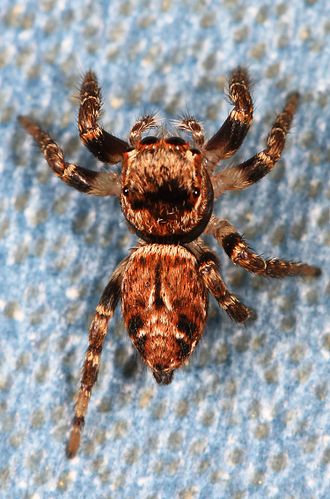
x=149, y=140
x=175, y=141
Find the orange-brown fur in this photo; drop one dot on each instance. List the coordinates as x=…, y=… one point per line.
x=164, y=305
x=148, y=170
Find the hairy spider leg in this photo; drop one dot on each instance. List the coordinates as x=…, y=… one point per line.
x=97, y=333
x=87, y=181
x=106, y=147
x=230, y=136
x=241, y=254
x=245, y=174
x=208, y=267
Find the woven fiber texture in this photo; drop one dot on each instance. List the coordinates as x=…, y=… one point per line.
x=250, y=415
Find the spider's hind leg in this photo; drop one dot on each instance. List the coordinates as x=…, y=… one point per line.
x=97, y=333
x=239, y=252
x=208, y=267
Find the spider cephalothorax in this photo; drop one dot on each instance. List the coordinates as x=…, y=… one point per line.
x=166, y=189
x=167, y=195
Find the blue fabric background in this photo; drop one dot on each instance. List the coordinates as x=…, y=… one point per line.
x=250, y=415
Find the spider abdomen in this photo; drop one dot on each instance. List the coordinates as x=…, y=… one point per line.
x=164, y=304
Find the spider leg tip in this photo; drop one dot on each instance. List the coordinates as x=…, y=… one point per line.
x=315, y=271
x=22, y=119
x=73, y=445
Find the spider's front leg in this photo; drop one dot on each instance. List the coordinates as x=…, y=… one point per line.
x=97, y=333
x=245, y=174
x=87, y=181
x=239, y=252
x=232, y=133
x=106, y=147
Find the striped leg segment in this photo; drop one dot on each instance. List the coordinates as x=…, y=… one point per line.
x=88, y=181
x=106, y=147
x=240, y=254
x=227, y=300
x=97, y=333
x=208, y=267
x=245, y=174
x=232, y=133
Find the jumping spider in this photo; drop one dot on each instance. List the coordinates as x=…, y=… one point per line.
x=166, y=190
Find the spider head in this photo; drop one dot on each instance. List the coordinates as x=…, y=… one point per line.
x=167, y=195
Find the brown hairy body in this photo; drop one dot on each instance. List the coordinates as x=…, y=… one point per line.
x=164, y=305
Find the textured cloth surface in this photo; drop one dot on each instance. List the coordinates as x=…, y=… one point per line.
x=250, y=415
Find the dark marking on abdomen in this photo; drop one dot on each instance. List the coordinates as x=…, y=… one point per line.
x=186, y=326
x=184, y=348
x=134, y=324
x=159, y=303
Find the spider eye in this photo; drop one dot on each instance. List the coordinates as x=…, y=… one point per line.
x=194, y=151
x=149, y=140
x=175, y=141
x=126, y=191
x=196, y=193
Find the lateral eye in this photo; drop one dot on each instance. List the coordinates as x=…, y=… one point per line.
x=194, y=151
x=126, y=191
x=196, y=192
x=149, y=140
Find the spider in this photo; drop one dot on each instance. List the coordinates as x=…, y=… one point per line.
x=166, y=188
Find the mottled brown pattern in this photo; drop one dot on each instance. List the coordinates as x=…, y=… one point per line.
x=167, y=189
x=170, y=333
